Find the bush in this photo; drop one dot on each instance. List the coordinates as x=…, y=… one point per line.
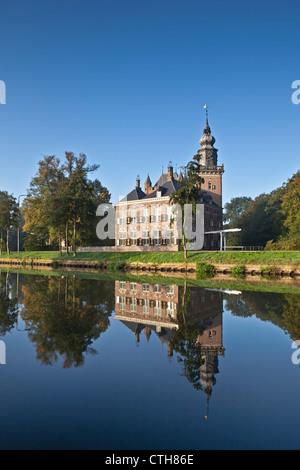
x=286, y=244
x=238, y=271
x=116, y=266
x=204, y=270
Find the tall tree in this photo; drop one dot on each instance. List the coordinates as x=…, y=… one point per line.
x=62, y=201
x=189, y=192
x=9, y=213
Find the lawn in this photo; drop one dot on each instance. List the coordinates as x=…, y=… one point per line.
x=245, y=257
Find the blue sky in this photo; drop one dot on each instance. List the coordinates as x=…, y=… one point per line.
x=125, y=82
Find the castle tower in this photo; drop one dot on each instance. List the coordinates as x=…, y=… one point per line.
x=207, y=156
x=148, y=185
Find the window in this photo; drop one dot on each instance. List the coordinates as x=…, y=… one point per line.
x=157, y=213
x=157, y=288
x=170, y=237
x=146, y=306
x=133, y=305
x=145, y=287
x=145, y=236
x=122, y=303
x=146, y=215
x=157, y=308
x=157, y=237
x=122, y=240
x=123, y=217
x=210, y=185
x=170, y=289
x=133, y=286
x=133, y=237
x=171, y=309
x=133, y=215
x=122, y=285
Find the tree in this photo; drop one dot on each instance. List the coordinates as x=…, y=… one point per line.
x=9, y=213
x=189, y=192
x=38, y=205
x=62, y=202
x=234, y=209
x=291, y=207
x=65, y=316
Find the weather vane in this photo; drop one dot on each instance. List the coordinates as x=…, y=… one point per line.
x=206, y=110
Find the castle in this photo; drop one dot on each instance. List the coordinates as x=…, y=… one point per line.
x=143, y=216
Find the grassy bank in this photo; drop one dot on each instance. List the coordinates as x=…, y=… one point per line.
x=265, y=285
x=245, y=257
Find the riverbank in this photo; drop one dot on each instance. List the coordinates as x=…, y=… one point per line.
x=283, y=285
x=279, y=263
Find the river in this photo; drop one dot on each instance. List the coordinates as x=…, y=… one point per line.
x=134, y=363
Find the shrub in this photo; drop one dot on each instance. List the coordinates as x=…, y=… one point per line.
x=204, y=270
x=238, y=271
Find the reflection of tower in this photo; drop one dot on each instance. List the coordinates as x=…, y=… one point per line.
x=208, y=370
x=147, y=332
x=153, y=308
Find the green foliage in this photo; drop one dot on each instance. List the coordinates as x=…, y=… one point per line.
x=238, y=271
x=270, y=220
x=204, y=270
x=62, y=202
x=9, y=215
x=189, y=191
x=116, y=266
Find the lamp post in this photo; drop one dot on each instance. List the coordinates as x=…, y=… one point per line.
x=21, y=195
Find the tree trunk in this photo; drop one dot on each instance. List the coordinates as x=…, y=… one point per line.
x=7, y=241
x=67, y=246
x=184, y=246
x=74, y=237
x=59, y=243
x=183, y=302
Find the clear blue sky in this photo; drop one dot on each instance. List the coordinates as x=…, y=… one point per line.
x=125, y=82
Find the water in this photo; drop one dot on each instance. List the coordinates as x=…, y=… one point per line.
x=101, y=364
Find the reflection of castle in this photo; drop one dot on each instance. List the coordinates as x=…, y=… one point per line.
x=155, y=308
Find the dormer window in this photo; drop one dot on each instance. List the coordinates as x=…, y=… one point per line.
x=158, y=193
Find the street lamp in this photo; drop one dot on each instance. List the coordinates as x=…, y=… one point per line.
x=21, y=195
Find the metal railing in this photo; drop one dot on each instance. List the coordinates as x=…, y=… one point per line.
x=245, y=248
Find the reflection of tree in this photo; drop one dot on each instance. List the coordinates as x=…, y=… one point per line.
x=185, y=342
x=282, y=310
x=65, y=316
x=291, y=315
x=8, y=306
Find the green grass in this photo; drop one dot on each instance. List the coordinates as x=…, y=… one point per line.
x=242, y=258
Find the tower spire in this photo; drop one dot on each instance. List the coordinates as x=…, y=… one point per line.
x=206, y=112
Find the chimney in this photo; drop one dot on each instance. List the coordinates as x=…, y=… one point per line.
x=138, y=182
x=170, y=171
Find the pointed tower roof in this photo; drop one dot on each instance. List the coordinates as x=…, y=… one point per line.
x=207, y=140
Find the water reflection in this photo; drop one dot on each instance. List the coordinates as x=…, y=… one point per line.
x=189, y=320
x=64, y=315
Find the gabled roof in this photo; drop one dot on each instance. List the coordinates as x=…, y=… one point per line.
x=164, y=178
x=167, y=189
x=134, y=195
